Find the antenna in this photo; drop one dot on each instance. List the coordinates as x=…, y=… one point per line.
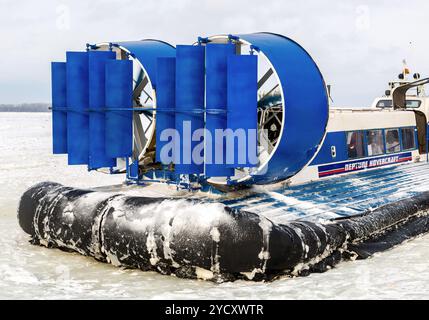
x=328, y=89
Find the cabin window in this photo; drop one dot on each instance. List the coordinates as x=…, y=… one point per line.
x=408, y=138
x=384, y=104
x=355, y=144
x=412, y=103
x=375, y=143
x=392, y=140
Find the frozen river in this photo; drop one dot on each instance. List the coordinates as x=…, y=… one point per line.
x=28, y=272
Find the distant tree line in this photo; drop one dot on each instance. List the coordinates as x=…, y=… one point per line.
x=25, y=107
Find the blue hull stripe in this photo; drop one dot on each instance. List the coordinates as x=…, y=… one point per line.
x=361, y=164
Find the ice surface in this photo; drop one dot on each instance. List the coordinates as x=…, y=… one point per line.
x=28, y=271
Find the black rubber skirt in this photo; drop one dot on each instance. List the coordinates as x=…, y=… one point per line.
x=196, y=239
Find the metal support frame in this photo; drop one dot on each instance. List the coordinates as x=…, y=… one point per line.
x=399, y=94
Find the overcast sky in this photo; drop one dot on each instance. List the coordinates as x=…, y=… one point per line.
x=358, y=45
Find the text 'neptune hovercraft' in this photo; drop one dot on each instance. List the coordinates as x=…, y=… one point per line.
x=258, y=176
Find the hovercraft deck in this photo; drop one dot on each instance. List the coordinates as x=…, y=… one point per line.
x=338, y=197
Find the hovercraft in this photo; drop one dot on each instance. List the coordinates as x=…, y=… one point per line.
x=235, y=165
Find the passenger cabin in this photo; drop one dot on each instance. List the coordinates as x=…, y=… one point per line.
x=386, y=133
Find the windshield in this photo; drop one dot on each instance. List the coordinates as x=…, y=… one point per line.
x=408, y=104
